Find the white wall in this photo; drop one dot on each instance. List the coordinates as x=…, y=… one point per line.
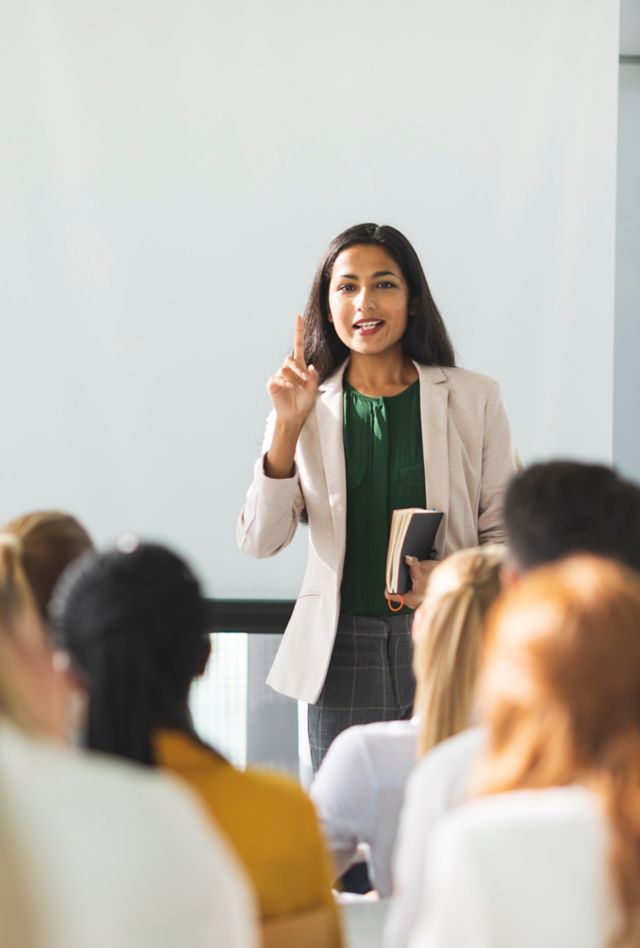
x=626, y=444
x=172, y=174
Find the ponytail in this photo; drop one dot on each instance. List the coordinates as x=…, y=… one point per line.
x=134, y=622
x=448, y=634
x=18, y=624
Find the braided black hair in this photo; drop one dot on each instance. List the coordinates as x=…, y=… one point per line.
x=133, y=621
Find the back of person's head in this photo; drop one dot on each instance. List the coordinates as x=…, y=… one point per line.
x=21, y=639
x=32, y=696
x=134, y=624
x=560, y=693
x=27, y=687
x=50, y=540
x=448, y=633
x=559, y=508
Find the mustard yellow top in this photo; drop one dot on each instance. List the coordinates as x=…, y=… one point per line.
x=268, y=820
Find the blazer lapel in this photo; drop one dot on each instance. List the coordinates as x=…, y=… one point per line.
x=434, y=396
x=329, y=417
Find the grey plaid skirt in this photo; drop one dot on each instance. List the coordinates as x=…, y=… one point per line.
x=370, y=678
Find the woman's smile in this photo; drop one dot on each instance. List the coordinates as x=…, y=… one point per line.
x=368, y=327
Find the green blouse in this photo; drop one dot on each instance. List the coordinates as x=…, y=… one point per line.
x=385, y=470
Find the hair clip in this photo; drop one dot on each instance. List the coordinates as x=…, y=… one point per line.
x=10, y=539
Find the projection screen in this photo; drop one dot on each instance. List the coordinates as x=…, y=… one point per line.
x=171, y=176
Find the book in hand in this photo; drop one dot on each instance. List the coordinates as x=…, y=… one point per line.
x=412, y=533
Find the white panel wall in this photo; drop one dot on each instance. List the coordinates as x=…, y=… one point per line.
x=626, y=444
x=172, y=174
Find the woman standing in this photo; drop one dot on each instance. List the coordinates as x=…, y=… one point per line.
x=369, y=415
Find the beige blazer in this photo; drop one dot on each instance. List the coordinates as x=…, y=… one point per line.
x=468, y=459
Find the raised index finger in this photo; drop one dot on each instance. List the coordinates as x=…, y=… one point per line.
x=298, y=341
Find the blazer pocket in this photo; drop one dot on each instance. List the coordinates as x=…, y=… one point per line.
x=355, y=475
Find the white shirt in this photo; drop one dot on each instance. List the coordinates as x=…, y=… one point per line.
x=520, y=870
x=114, y=855
x=439, y=782
x=358, y=793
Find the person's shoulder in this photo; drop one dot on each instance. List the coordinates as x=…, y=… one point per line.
x=387, y=745
x=147, y=797
x=153, y=806
x=374, y=743
x=450, y=762
x=536, y=818
x=377, y=732
x=276, y=793
x=70, y=765
x=562, y=804
x=458, y=379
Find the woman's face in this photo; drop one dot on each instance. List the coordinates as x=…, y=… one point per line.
x=368, y=300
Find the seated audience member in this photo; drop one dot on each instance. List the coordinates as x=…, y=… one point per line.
x=133, y=622
x=49, y=541
x=550, y=852
x=95, y=853
x=359, y=788
x=551, y=511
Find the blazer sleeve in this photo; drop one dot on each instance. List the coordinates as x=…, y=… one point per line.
x=272, y=508
x=499, y=463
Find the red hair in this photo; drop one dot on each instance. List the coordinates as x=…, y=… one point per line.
x=560, y=692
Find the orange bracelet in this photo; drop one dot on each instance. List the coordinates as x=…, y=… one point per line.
x=390, y=602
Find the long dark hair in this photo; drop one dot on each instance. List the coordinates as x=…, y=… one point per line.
x=426, y=339
x=134, y=624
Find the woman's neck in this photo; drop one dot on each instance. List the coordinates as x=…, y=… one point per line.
x=379, y=375
x=179, y=719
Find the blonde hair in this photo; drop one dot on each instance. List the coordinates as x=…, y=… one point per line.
x=16, y=607
x=19, y=623
x=561, y=696
x=448, y=632
x=49, y=540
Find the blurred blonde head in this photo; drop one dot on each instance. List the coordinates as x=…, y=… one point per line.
x=560, y=693
x=20, y=654
x=448, y=635
x=32, y=696
x=19, y=630
x=49, y=540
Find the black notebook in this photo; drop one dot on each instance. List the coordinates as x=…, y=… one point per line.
x=412, y=533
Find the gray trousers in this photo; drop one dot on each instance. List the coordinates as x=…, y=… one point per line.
x=370, y=678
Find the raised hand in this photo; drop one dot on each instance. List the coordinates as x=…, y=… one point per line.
x=293, y=391
x=294, y=386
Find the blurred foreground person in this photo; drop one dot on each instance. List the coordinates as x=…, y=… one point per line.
x=552, y=510
x=133, y=622
x=550, y=854
x=359, y=788
x=47, y=542
x=92, y=853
